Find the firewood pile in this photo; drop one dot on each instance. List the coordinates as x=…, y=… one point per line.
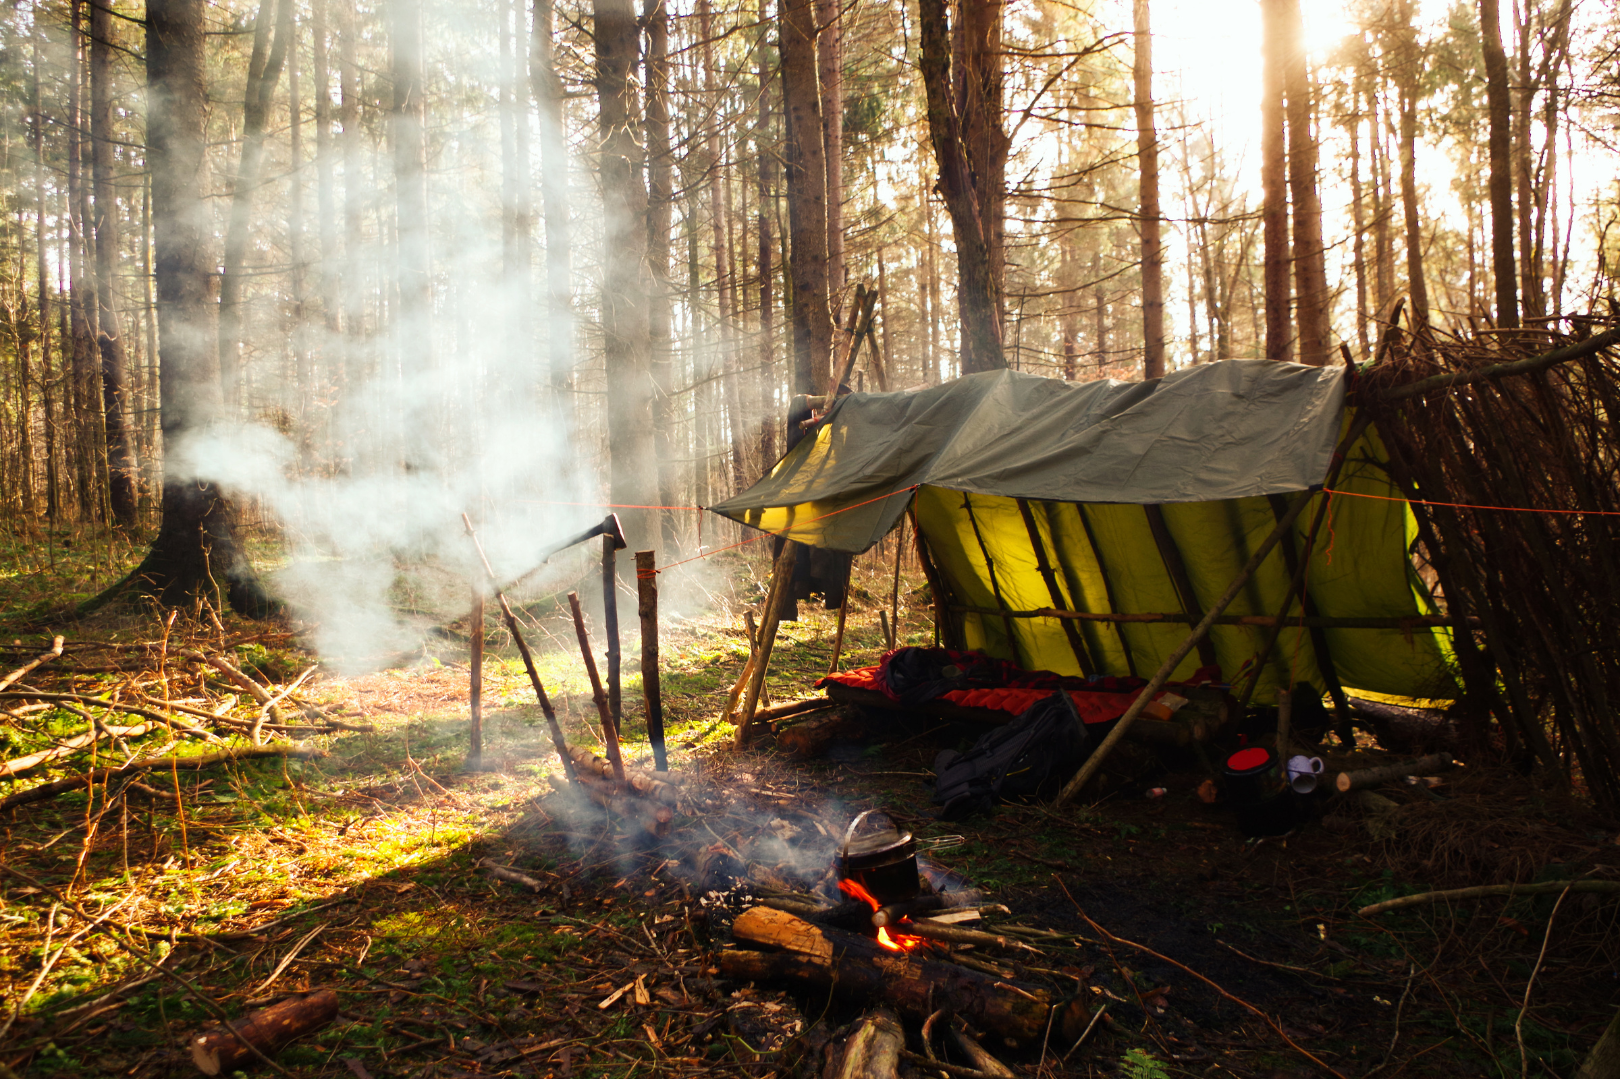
x=146, y=708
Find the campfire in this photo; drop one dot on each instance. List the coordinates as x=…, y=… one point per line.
x=889, y=940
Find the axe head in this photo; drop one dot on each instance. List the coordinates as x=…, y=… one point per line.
x=610, y=527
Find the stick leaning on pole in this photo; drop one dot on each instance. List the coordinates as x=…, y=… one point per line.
x=528, y=660
x=1166, y=669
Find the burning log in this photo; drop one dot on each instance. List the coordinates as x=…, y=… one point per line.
x=874, y=1049
x=865, y=970
x=223, y=1050
x=1363, y=778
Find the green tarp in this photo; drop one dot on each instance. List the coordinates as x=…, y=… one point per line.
x=1213, y=451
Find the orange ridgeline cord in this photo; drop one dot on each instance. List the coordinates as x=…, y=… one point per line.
x=763, y=535
x=1471, y=506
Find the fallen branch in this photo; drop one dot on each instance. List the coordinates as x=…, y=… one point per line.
x=16, y=766
x=116, y=706
x=202, y=761
x=506, y=873
x=51, y=654
x=1475, y=892
x=1233, y=998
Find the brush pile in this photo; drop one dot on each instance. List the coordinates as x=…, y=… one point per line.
x=1518, y=516
x=106, y=714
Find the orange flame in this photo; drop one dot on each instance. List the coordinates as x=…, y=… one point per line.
x=893, y=942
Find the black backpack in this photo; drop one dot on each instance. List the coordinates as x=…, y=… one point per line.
x=1028, y=758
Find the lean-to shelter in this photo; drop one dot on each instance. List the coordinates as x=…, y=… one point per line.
x=1130, y=507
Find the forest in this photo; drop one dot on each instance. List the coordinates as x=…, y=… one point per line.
x=332, y=328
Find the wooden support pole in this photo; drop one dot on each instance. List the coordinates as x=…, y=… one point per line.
x=1166, y=669
x=510, y=619
x=651, y=688
x=838, y=636
x=1077, y=645
x=475, y=689
x=781, y=581
x=1170, y=556
x=891, y=632
x=610, y=734
x=610, y=627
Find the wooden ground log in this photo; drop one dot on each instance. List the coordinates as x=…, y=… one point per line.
x=220, y=1051
x=874, y=1048
x=637, y=782
x=1364, y=778
x=812, y=738
x=649, y=815
x=863, y=970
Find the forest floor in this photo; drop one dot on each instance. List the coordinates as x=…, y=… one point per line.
x=122, y=934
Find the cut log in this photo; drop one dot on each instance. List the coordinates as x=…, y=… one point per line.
x=811, y=739
x=220, y=1050
x=637, y=782
x=874, y=1049
x=1402, y=730
x=862, y=970
x=648, y=815
x=1363, y=778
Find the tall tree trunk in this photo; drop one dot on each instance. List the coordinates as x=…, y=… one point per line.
x=1274, y=178
x=325, y=183
x=122, y=470
x=1522, y=96
x=660, y=200
x=356, y=266
x=196, y=548
x=811, y=312
x=1148, y=221
x=830, y=69
x=37, y=131
x=765, y=156
x=295, y=224
x=1310, y=267
x=554, y=201
x=1358, y=213
x=264, y=71
x=1411, y=61
x=83, y=305
x=1383, y=203
x=1499, y=107
x=413, y=326
x=980, y=105
x=719, y=215
x=626, y=344
x=978, y=289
